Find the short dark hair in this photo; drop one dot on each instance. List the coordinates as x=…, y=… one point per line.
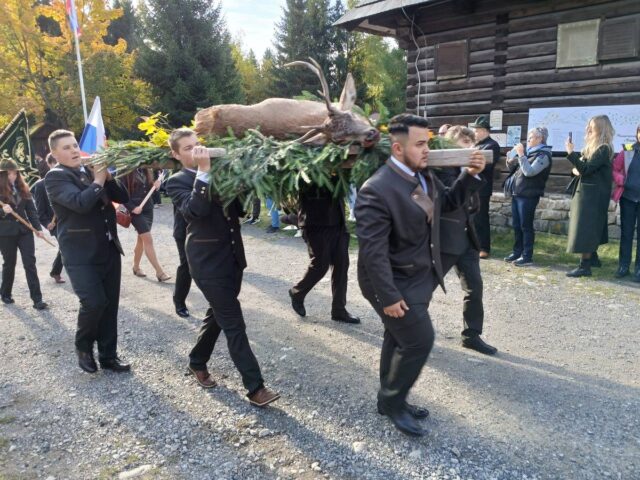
x=401, y=123
x=57, y=135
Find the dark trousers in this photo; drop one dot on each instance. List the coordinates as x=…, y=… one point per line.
x=629, y=222
x=9, y=246
x=405, y=348
x=255, y=208
x=481, y=222
x=56, y=267
x=225, y=315
x=467, y=268
x=98, y=288
x=183, y=277
x=327, y=247
x=523, y=210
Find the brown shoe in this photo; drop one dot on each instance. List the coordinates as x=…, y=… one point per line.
x=263, y=397
x=484, y=255
x=57, y=278
x=203, y=377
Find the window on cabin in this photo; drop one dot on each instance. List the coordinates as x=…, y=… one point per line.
x=578, y=44
x=451, y=60
x=619, y=38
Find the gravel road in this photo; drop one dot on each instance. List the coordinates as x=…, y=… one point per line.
x=561, y=400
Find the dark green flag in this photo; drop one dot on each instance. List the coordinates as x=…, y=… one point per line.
x=15, y=144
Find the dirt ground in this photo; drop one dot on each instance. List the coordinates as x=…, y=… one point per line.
x=560, y=400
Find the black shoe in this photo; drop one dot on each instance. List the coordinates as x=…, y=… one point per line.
x=115, y=364
x=622, y=271
x=636, y=276
x=40, y=305
x=272, y=229
x=87, y=362
x=583, y=270
x=297, y=304
x=8, y=300
x=476, y=343
x=511, y=258
x=405, y=422
x=523, y=262
x=595, y=260
x=344, y=317
x=182, y=311
x=247, y=220
x=419, y=413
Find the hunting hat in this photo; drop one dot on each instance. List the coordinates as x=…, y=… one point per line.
x=482, y=122
x=7, y=165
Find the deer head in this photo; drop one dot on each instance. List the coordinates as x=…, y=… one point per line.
x=341, y=125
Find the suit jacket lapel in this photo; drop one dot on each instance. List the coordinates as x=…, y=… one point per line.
x=418, y=195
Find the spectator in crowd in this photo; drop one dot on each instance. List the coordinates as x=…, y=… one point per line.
x=14, y=237
x=255, y=212
x=45, y=212
x=138, y=183
x=588, y=226
x=482, y=128
x=274, y=213
x=626, y=177
x=442, y=131
x=528, y=174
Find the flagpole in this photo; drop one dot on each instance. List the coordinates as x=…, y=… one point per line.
x=84, y=99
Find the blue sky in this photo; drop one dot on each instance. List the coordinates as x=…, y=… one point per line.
x=254, y=21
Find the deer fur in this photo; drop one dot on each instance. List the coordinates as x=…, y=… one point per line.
x=282, y=118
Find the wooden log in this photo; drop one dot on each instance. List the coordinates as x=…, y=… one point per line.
x=455, y=157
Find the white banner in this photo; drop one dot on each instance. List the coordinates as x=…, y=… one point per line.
x=560, y=121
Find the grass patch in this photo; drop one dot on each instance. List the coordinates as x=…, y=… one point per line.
x=6, y=420
x=3, y=442
x=550, y=251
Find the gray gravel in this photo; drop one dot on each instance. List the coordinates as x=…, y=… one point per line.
x=560, y=400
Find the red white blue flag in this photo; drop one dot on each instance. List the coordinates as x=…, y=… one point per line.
x=73, y=16
x=93, y=138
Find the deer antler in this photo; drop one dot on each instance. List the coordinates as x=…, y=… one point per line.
x=315, y=68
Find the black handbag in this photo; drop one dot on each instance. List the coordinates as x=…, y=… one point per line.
x=572, y=186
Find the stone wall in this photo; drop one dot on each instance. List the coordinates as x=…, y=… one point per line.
x=552, y=214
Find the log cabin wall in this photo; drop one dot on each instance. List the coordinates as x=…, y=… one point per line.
x=512, y=49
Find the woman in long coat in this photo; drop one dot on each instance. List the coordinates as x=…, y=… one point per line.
x=588, y=225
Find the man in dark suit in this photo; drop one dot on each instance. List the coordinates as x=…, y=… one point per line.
x=398, y=225
x=321, y=220
x=88, y=239
x=460, y=248
x=45, y=212
x=482, y=127
x=215, y=253
x=186, y=176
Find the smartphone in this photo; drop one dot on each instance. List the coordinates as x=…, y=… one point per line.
x=570, y=137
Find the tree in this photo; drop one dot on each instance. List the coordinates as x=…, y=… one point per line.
x=186, y=57
x=38, y=68
x=303, y=32
x=125, y=27
x=249, y=72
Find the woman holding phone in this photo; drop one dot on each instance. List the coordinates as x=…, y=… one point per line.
x=588, y=226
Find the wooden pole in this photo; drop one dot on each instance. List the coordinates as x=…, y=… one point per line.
x=153, y=188
x=28, y=225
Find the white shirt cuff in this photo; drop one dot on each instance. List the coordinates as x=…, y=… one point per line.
x=202, y=176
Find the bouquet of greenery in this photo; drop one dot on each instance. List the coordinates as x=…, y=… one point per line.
x=256, y=165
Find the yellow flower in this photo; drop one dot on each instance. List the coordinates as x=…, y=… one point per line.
x=160, y=138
